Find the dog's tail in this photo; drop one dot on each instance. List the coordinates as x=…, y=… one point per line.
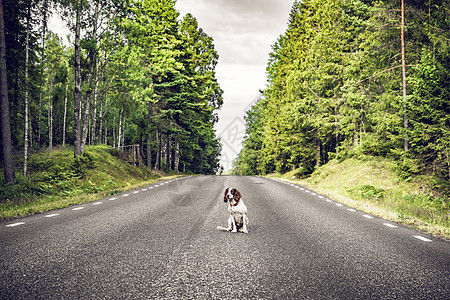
x=223, y=228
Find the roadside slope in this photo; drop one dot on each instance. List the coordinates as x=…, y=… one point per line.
x=372, y=184
x=56, y=179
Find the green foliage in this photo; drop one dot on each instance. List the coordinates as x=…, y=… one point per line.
x=335, y=91
x=368, y=191
x=143, y=68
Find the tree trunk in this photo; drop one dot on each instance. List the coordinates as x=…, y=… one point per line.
x=119, y=140
x=27, y=48
x=77, y=93
x=177, y=157
x=50, y=116
x=10, y=176
x=405, y=116
x=44, y=30
x=94, y=113
x=65, y=116
x=87, y=112
x=318, y=154
x=149, y=152
x=158, y=153
x=168, y=153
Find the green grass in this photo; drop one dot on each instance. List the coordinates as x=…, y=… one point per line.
x=56, y=180
x=372, y=184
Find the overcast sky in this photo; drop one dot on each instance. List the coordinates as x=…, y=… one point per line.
x=243, y=32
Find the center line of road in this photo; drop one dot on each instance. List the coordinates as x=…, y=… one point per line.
x=15, y=224
x=51, y=216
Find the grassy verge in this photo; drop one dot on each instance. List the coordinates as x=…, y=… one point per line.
x=373, y=186
x=57, y=180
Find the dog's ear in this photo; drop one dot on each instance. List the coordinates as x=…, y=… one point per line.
x=225, y=196
x=237, y=195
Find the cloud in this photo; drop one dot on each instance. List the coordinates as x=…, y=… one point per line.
x=243, y=30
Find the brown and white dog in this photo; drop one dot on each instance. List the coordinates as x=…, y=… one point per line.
x=238, y=219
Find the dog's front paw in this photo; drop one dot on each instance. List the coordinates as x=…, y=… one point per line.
x=234, y=230
x=245, y=231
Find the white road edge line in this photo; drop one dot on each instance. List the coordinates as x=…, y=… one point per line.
x=15, y=224
x=51, y=216
x=422, y=238
x=389, y=225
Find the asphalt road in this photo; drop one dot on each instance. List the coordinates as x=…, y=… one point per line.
x=161, y=242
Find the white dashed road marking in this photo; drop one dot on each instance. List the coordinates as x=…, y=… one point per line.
x=112, y=199
x=97, y=203
x=51, y=216
x=389, y=225
x=78, y=208
x=125, y=195
x=136, y=192
x=350, y=209
x=15, y=224
x=422, y=238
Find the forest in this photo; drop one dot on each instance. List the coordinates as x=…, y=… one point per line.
x=350, y=78
x=134, y=73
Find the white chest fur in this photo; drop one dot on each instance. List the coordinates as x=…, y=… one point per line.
x=240, y=207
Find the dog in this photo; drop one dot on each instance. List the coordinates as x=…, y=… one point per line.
x=238, y=219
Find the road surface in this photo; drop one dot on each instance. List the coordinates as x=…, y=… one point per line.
x=161, y=242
